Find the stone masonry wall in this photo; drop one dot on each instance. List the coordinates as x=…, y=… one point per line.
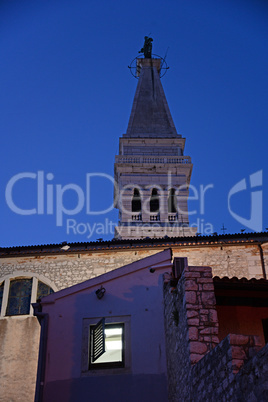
x=71, y=268
x=191, y=327
x=229, y=260
x=265, y=256
x=177, y=342
x=202, y=319
x=251, y=383
x=213, y=377
x=200, y=368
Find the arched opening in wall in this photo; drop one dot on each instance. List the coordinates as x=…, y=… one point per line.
x=172, y=201
x=136, y=205
x=17, y=294
x=154, y=201
x=172, y=205
x=154, y=205
x=136, y=201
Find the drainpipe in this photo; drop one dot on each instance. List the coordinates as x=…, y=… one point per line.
x=262, y=261
x=43, y=321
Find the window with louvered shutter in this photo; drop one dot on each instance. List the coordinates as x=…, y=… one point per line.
x=109, y=352
x=107, y=345
x=98, y=340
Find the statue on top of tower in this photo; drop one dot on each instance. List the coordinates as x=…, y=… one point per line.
x=147, y=47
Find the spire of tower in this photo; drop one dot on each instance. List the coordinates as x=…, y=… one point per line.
x=151, y=172
x=150, y=115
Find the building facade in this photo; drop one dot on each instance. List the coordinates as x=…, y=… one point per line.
x=153, y=330
x=126, y=307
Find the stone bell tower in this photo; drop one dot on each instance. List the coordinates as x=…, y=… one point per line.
x=151, y=173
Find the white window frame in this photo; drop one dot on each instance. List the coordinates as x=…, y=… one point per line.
x=89, y=322
x=23, y=275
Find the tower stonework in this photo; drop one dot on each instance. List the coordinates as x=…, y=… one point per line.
x=151, y=172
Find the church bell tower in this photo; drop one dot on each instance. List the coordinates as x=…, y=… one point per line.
x=151, y=172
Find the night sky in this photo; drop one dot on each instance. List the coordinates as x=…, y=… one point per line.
x=66, y=96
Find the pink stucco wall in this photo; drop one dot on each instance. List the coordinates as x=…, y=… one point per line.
x=130, y=291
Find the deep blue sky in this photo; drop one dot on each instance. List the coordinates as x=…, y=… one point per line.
x=66, y=96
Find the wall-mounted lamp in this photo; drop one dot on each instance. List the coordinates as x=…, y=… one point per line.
x=100, y=292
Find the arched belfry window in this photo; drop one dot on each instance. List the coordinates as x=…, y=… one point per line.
x=17, y=293
x=154, y=201
x=172, y=201
x=136, y=201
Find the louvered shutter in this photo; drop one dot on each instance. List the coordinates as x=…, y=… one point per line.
x=98, y=340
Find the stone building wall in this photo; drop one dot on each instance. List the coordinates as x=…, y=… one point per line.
x=264, y=248
x=191, y=327
x=251, y=383
x=177, y=342
x=214, y=377
x=68, y=269
x=226, y=260
x=200, y=368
